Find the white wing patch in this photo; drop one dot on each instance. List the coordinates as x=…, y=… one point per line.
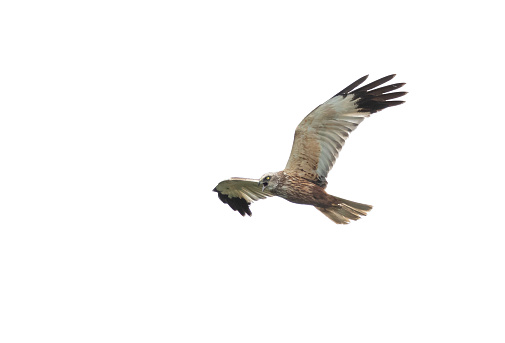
x=340, y=118
x=238, y=187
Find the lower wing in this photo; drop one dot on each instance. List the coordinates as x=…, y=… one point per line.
x=239, y=193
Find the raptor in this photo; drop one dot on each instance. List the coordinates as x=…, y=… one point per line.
x=318, y=140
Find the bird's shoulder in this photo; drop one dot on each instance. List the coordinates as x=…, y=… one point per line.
x=292, y=177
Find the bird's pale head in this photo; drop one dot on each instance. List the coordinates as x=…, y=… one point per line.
x=269, y=181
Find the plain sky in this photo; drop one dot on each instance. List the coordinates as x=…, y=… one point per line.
x=118, y=118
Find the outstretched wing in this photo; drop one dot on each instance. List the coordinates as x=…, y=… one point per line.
x=239, y=193
x=321, y=134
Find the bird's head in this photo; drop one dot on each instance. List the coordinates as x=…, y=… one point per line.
x=269, y=181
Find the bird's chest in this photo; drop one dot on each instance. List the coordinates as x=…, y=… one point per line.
x=300, y=191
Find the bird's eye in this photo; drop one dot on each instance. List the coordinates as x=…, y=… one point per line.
x=268, y=178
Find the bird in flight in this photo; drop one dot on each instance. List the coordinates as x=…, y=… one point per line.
x=318, y=140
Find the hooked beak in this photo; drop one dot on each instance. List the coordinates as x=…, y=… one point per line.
x=264, y=185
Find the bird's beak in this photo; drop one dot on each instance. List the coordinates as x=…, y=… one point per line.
x=262, y=188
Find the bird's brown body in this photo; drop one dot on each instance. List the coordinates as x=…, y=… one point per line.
x=301, y=191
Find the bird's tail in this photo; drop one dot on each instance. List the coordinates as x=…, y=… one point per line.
x=344, y=210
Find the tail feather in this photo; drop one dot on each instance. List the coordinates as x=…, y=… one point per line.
x=344, y=210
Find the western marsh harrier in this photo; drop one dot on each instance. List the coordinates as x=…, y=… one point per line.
x=318, y=140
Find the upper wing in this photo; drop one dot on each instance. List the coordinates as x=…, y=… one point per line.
x=321, y=134
x=239, y=193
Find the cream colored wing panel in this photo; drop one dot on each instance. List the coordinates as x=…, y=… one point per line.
x=239, y=193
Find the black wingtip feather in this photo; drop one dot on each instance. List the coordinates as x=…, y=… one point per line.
x=236, y=204
x=353, y=85
x=371, y=99
x=395, y=103
x=385, y=89
x=390, y=96
x=375, y=83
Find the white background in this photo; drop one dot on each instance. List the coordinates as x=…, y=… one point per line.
x=118, y=118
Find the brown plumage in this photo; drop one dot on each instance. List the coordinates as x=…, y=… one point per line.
x=318, y=140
